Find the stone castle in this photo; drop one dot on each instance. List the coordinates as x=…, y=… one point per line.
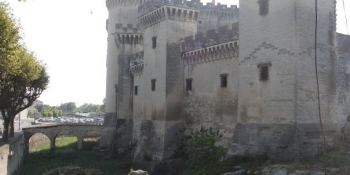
x=176, y=65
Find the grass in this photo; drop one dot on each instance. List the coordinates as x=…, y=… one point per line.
x=40, y=160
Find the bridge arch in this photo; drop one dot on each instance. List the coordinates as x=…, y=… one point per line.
x=38, y=138
x=78, y=130
x=66, y=132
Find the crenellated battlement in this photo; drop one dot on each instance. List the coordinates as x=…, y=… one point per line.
x=212, y=45
x=168, y=12
x=150, y=5
x=136, y=63
x=222, y=12
x=128, y=38
x=129, y=34
x=226, y=50
x=218, y=7
x=212, y=37
x=110, y=4
x=129, y=28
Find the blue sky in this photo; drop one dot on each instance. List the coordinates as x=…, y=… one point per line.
x=71, y=38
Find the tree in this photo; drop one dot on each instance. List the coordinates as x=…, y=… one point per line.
x=39, y=108
x=71, y=106
x=101, y=108
x=68, y=107
x=22, y=77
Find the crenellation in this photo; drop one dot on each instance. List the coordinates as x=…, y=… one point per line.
x=221, y=51
x=213, y=17
x=129, y=28
x=110, y=4
x=209, y=6
x=151, y=5
x=211, y=37
x=168, y=12
x=128, y=38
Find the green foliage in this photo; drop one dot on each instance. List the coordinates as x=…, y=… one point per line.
x=39, y=107
x=9, y=38
x=202, y=152
x=22, y=77
x=181, y=150
x=88, y=107
x=68, y=107
x=102, y=107
x=42, y=160
x=51, y=111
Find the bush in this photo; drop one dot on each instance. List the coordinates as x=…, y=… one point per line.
x=203, y=153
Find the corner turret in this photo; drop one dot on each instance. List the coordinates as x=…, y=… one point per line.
x=122, y=29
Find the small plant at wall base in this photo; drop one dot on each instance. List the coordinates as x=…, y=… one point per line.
x=203, y=153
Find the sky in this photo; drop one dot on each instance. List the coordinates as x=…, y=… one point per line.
x=70, y=37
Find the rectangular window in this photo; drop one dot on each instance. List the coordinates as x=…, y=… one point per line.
x=263, y=7
x=223, y=80
x=189, y=84
x=153, y=81
x=154, y=42
x=135, y=90
x=264, y=71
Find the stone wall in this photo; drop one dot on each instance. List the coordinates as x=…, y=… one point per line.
x=343, y=85
x=208, y=103
x=283, y=40
x=122, y=16
x=213, y=17
x=270, y=104
x=11, y=155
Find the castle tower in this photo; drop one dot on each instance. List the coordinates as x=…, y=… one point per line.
x=123, y=39
x=215, y=16
x=164, y=23
x=278, y=101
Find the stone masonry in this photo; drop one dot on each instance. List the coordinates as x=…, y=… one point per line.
x=174, y=66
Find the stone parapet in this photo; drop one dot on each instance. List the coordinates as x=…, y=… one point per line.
x=212, y=37
x=221, y=51
x=110, y=4
x=219, y=7
x=168, y=12
x=222, y=12
x=129, y=28
x=151, y=5
x=136, y=63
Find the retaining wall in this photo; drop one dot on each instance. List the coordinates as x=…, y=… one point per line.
x=11, y=155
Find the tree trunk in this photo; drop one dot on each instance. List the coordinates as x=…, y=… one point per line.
x=12, y=130
x=5, y=134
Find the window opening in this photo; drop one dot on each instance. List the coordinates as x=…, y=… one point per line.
x=189, y=84
x=263, y=7
x=136, y=90
x=264, y=71
x=223, y=80
x=154, y=42
x=153, y=84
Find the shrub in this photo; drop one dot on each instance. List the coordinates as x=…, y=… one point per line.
x=203, y=153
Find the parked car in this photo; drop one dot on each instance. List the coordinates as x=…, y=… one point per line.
x=36, y=122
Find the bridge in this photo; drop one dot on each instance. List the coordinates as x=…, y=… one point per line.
x=80, y=131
